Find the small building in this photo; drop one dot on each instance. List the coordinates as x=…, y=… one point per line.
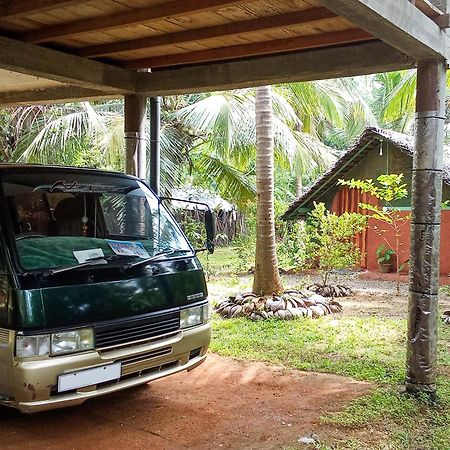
x=376, y=152
x=229, y=220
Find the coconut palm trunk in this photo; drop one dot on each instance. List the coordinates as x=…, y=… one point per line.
x=267, y=279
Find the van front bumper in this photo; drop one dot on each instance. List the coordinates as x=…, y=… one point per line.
x=36, y=382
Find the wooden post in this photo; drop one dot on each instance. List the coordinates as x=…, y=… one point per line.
x=425, y=227
x=135, y=139
x=155, y=127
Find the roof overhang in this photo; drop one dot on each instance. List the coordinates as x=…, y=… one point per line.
x=370, y=140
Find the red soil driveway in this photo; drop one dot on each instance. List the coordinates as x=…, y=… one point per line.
x=221, y=404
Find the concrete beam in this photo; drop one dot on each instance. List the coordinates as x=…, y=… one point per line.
x=308, y=65
x=52, y=95
x=361, y=59
x=42, y=62
x=398, y=23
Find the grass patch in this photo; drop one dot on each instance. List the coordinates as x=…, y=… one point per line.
x=370, y=349
x=224, y=262
x=409, y=422
x=367, y=348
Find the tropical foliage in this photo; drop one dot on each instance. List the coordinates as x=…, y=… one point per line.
x=330, y=240
x=208, y=139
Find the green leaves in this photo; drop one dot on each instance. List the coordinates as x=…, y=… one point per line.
x=330, y=239
x=384, y=255
x=237, y=186
x=388, y=188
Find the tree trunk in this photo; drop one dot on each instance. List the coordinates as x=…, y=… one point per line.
x=267, y=279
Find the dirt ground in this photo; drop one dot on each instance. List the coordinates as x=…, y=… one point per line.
x=221, y=404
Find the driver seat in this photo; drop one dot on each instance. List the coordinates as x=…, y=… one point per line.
x=67, y=217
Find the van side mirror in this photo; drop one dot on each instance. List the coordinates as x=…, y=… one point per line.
x=210, y=225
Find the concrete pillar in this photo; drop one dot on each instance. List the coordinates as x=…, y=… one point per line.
x=425, y=227
x=155, y=152
x=135, y=139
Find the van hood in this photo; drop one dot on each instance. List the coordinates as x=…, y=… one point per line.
x=88, y=303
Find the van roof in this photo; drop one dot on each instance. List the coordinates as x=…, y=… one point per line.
x=38, y=167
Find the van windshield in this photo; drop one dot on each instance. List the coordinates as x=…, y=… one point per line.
x=55, y=216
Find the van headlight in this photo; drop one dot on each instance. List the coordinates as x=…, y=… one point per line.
x=56, y=343
x=190, y=317
x=72, y=341
x=32, y=345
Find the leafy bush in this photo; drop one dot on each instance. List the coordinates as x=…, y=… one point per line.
x=291, y=245
x=290, y=237
x=194, y=230
x=330, y=240
x=246, y=243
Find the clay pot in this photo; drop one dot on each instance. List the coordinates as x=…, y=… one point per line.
x=384, y=267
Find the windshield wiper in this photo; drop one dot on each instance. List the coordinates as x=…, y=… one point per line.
x=95, y=261
x=154, y=257
x=89, y=262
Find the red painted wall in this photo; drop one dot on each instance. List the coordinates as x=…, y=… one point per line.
x=374, y=240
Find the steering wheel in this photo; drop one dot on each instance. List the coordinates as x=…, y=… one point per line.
x=29, y=234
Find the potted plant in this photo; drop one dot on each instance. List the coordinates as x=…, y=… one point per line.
x=384, y=258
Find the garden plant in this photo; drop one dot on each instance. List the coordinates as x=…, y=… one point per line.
x=387, y=217
x=331, y=246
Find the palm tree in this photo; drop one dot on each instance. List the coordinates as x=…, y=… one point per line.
x=84, y=134
x=267, y=279
x=208, y=137
x=394, y=98
x=224, y=157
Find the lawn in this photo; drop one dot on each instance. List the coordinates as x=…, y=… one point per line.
x=362, y=345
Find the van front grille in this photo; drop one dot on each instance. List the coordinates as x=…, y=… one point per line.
x=136, y=329
x=4, y=336
x=145, y=357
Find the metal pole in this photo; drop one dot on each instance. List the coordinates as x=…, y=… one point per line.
x=155, y=152
x=135, y=139
x=425, y=228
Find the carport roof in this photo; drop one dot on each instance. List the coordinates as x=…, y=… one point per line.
x=57, y=50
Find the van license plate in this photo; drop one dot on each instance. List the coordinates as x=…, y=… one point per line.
x=88, y=377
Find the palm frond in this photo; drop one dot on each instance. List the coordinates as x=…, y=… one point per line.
x=235, y=186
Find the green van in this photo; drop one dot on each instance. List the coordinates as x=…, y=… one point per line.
x=99, y=288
